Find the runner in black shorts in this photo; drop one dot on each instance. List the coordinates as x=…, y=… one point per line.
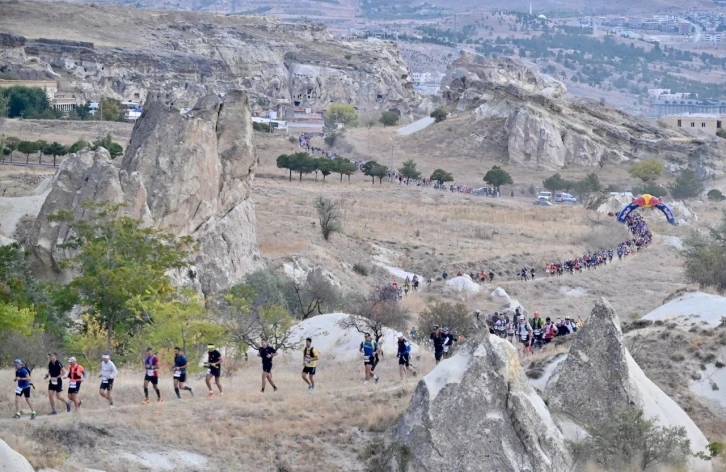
x=438, y=338
x=267, y=353
x=22, y=377
x=76, y=375
x=151, y=364
x=55, y=384
x=180, y=372
x=108, y=373
x=310, y=363
x=214, y=369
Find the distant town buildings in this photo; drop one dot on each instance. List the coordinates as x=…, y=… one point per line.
x=689, y=107
x=671, y=24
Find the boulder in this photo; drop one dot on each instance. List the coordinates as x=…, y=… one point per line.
x=476, y=411
x=462, y=283
x=508, y=304
x=600, y=376
x=11, y=461
x=188, y=174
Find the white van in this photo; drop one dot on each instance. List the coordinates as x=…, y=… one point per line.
x=545, y=196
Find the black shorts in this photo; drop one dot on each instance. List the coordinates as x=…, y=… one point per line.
x=546, y=340
x=438, y=354
x=75, y=389
x=58, y=387
x=181, y=378
x=524, y=341
x=370, y=360
x=23, y=393
x=404, y=360
x=267, y=368
x=215, y=371
x=152, y=378
x=309, y=370
x=106, y=384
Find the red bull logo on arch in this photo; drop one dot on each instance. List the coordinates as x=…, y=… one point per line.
x=646, y=201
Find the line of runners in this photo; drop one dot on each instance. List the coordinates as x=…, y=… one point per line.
x=76, y=375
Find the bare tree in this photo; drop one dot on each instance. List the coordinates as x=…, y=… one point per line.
x=374, y=312
x=329, y=215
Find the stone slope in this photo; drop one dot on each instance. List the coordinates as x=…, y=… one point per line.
x=187, y=173
x=600, y=376
x=190, y=54
x=527, y=115
x=476, y=411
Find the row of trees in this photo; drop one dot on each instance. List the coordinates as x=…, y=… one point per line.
x=304, y=163
x=32, y=103
x=10, y=144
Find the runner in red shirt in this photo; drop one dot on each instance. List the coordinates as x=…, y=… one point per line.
x=151, y=364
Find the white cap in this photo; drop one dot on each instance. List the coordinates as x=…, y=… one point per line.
x=105, y=356
x=399, y=335
x=521, y=317
x=71, y=359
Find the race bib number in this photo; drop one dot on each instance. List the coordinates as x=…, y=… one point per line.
x=209, y=371
x=524, y=337
x=72, y=384
x=366, y=358
x=537, y=332
x=446, y=348
x=177, y=373
x=18, y=390
x=104, y=381
x=54, y=381
x=150, y=372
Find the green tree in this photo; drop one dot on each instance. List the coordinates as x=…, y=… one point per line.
x=28, y=102
x=496, y=177
x=648, y=170
x=283, y=162
x=388, y=118
x=373, y=170
x=686, y=186
x=592, y=182
x=325, y=166
x=343, y=167
x=439, y=115
x=651, y=188
x=77, y=146
x=121, y=266
x=721, y=133
x=554, y=183
x=341, y=113
x=302, y=163
x=107, y=142
x=28, y=148
x=55, y=149
x=705, y=257
x=111, y=110
x=715, y=195
x=441, y=176
x=408, y=170
x=455, y=316
x=83, y=112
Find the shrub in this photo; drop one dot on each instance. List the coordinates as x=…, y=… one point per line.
x=360, y=269
x=648, y=170
x=687, y=185
x=650, y=188
x=715, y=195
x=329, y=216
x=439, y=115
x=388, y=118
x=455, y=316
x=705, y=257
x=341, y=113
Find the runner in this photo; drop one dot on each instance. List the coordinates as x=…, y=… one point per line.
x=214, y=369
x=511, y=325
x=56, y=371
x=267, y=353
x=310, y=362
x=549, y=330
x=404, y=356
x=108, y=373
x=370, y=350
x=449, y=340
x=569, y=324
x=76, y=376
x=180, y=372
x=151, y=365
x=537, y=325
x=438, y=338
x=524, y=332
x=22, y=377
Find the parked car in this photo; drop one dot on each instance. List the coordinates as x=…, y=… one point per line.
x=543, y=202
x=545, y=196
x=563, y=197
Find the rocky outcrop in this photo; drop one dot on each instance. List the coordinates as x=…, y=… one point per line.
x=188, y=173
x=528, y=115
x=599, y=376
x=191, y=54
x=476, y=411
x=11, y=461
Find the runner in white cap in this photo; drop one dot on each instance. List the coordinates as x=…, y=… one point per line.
x=108, y=373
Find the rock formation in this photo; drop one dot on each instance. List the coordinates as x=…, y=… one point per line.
x=476, y=411
x=527, y=116
x=11, y=461
x=188, y=173
x=599, y=376
x=191, y=54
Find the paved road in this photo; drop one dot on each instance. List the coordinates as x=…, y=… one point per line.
x=416, y=126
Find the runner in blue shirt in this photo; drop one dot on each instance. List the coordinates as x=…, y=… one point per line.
x=180, y=373
x=370, y=350
x=22, y=377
